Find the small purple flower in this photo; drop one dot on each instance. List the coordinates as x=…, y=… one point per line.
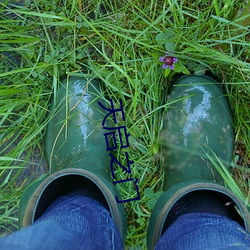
x=168, y=61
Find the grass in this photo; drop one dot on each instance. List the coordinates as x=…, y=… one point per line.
x=119, y=43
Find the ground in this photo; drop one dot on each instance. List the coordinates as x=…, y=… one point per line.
x=119, y=42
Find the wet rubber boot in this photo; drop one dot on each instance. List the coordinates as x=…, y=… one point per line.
x=196, y=126
x=75, y=149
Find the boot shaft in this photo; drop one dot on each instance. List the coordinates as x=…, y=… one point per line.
x=197, y=122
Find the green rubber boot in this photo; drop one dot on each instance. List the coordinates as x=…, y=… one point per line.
x=197, y=125
x=75, y=148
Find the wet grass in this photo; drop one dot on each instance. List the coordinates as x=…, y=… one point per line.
x=43, y=42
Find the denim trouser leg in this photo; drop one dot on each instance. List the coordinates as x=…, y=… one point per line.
x=204, y=231
x=82, y=223
x=75, y=222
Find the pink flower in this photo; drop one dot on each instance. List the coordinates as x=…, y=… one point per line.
x=168, y=61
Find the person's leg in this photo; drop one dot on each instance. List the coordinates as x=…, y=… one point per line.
x=75, y=149
x=197, y=137
x=71, y=222
x=204, y=231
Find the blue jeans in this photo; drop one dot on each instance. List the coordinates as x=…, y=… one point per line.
x=75, y=222
x=80, y=222
x=204, y=231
